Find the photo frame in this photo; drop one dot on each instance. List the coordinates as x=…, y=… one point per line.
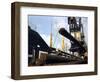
x=35, y=50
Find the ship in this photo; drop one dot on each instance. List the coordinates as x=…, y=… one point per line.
x=41, y=54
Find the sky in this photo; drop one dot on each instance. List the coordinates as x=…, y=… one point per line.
x=44, y=25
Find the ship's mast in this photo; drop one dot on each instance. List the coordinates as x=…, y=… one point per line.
x=57, y=36
x=51, y=37
x=63, y=45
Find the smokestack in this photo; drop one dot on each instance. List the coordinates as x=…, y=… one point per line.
x=64, y=33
